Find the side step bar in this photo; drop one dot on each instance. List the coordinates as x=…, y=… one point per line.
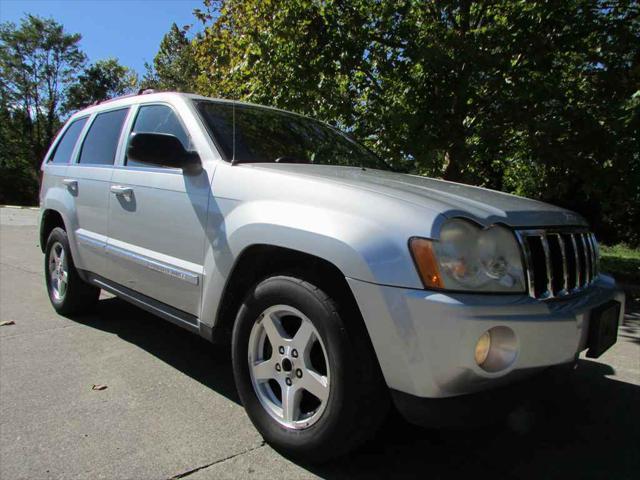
x=175, y=316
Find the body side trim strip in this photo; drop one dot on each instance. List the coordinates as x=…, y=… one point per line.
x=97, y=241
x=155, y=265
x=91, y=239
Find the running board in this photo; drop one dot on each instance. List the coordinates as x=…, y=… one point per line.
x=162, y=310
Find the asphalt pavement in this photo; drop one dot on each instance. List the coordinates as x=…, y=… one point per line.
x=170, y=409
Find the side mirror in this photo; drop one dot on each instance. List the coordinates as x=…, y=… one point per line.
x=163, y=150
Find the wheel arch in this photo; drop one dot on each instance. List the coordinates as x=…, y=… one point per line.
x=49, y=220
x=259, y=261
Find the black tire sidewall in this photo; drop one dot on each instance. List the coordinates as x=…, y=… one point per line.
x=60, y=236
x=320, y=310
x=80, y=296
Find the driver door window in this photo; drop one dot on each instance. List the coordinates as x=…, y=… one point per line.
x=158, y=119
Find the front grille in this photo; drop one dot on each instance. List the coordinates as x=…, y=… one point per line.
x=558, y=262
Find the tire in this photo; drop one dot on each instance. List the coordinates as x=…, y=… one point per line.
x=68, y=293
x=356, y=399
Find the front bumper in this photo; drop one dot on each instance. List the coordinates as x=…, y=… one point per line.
x=425, y=340
x=488, y=406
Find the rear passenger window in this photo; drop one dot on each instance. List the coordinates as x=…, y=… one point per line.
x=158, y=119
x=64, y=149
x=101, y=142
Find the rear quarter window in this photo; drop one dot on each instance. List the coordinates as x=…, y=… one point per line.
x=101, y=141
x=64, y=148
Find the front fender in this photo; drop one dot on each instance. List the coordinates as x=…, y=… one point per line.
x=345, y=240
x=358, y=246
x=361, y=232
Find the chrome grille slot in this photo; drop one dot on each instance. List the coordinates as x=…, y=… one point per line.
x=558, y=262
x=584, y=260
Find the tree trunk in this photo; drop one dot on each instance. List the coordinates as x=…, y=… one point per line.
x=457, y=154
x=457, y=158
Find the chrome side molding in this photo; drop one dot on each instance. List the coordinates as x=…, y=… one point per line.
x=155, y=265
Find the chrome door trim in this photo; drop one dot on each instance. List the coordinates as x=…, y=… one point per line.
x=90, y=241
x=155, y=265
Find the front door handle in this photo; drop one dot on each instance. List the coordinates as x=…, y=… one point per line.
x=70, y=183
x=120, y=190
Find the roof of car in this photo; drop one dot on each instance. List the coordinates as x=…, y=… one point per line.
x=151, y=96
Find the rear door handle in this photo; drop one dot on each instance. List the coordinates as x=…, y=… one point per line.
x=70, y=183
x=120, y=190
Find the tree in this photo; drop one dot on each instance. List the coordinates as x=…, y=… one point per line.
x=527, y=96
x=18, y=180
x=174, y=66
x=102, y=80
x=38, y=61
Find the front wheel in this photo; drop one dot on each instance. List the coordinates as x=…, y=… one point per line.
x=309, y=383
x=68, y=293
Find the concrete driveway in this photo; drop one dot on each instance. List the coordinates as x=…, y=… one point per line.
x=170, y=409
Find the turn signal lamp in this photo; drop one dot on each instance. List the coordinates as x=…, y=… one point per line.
x=425, y=260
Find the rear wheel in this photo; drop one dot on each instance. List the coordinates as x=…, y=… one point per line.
x=68, y=293
x=310, y=384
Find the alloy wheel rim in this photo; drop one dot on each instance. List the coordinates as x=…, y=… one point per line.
x=289, y=367
x=58, y=272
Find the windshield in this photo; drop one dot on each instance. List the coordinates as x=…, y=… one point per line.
x=263, y=135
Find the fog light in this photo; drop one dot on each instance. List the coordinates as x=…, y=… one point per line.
x=496, y=349
x=482, y=348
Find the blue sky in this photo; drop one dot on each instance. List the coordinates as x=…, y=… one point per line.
x=129, y=30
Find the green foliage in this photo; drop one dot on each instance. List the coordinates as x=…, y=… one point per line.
x=42, y=79
x=18, y=179
x=38, y=61
x=534, y=97
x=100, y=81
x=622, y=262
x=174, y=66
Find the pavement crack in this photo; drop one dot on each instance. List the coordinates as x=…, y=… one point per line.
x=19, y=268
x=46, y=330
x=221, y=460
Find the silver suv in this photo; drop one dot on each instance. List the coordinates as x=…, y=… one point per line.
x=343, y=287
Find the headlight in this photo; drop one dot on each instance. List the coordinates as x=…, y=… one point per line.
x=467, y=257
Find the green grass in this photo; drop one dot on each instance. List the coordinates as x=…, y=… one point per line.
x=622, y=262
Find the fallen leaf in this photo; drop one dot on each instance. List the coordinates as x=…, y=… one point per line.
x=99, y=387
x=7, y=322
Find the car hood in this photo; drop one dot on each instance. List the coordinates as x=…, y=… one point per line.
x=448, y=198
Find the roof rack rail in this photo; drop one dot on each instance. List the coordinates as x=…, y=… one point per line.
x=107, y=100
x=142, y=91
